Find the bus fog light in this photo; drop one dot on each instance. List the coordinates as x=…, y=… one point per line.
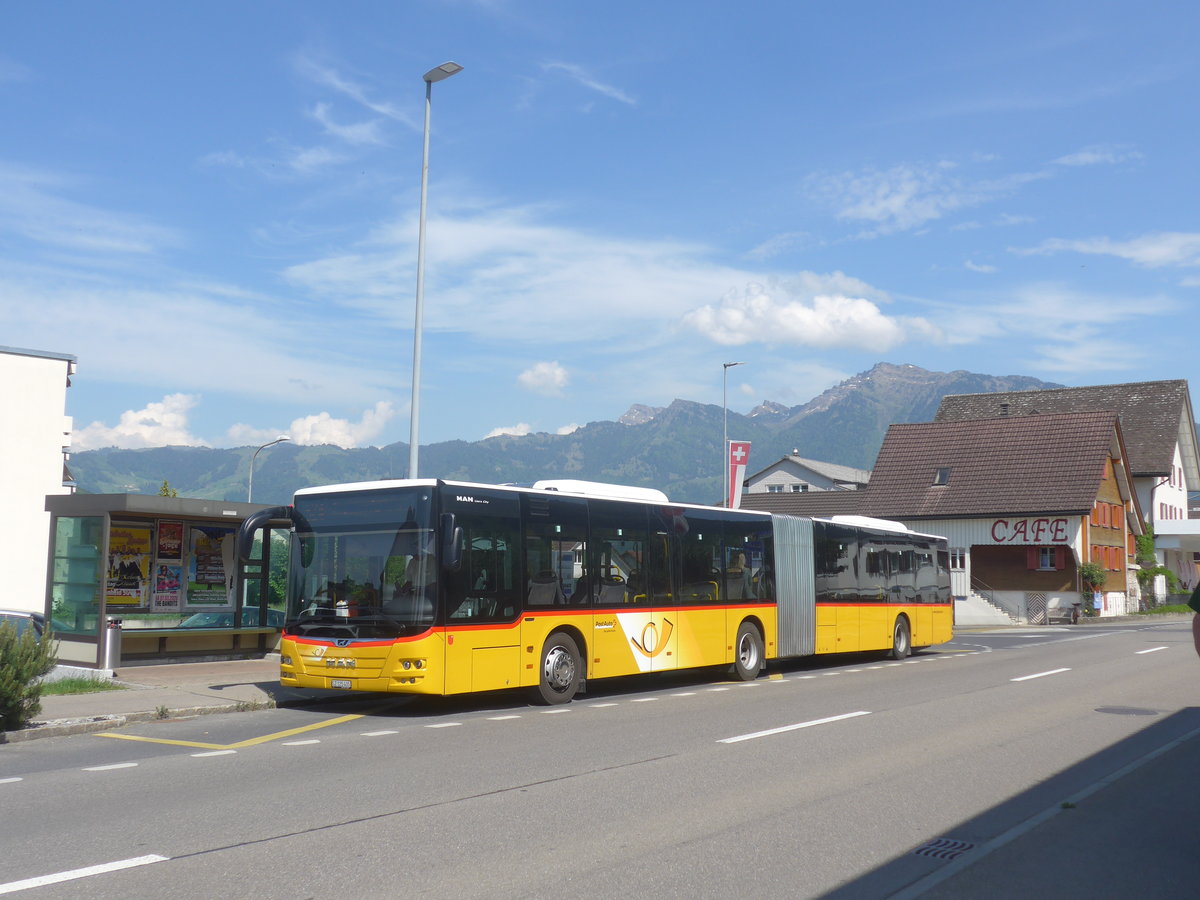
x=285, y=660
x=407, y=664
x=420, y=663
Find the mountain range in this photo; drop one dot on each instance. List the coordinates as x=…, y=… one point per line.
x=676, y=448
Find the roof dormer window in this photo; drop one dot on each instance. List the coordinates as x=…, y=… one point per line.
x=942, y=475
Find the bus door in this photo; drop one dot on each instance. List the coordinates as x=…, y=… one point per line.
x=557, y=593
x=631, y=632
x=482, y=597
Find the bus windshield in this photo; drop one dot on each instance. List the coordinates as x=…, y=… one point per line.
x=364, y=565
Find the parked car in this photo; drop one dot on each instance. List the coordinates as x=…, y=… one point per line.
x=23, y=620
x=223, y=618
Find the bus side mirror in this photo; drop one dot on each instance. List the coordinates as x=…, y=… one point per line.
x=252, y=523
x=452, y=538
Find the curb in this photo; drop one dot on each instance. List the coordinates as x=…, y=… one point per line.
x=63, y=727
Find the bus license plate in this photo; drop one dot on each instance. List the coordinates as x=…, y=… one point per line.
x=343, y=683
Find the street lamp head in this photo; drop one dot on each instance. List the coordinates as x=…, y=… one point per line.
x=442, y=72
x=731, y=365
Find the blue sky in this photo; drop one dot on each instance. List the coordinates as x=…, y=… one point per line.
x=214, y=205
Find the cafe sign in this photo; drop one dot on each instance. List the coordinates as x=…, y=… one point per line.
x=1031, y=531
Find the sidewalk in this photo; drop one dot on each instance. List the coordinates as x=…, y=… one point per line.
x=165, y=691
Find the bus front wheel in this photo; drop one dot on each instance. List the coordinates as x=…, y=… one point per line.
x=901, y=639
x=561, y=669
x=748, y=652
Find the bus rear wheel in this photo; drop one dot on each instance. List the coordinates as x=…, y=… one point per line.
x=748, y=652
x=901, y=639
x=561, y=669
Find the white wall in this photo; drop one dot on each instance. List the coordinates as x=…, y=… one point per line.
x=33, y=431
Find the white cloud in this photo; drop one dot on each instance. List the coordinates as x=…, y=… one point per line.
x=519, y=430
x=777, y=244
x=358, y=133
x=31, y=207
x=1098, y=155
x=323, y=428
x=979, y=267
x=907, y=196
x=805, y=318
x=155, y=425
x=579, y=75
x=332, y=78
x=1152, y=251
x=568, y=429
x=548, y=378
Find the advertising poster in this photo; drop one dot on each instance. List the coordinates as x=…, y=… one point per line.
x=170, y=542
x=168, y=587
x=210, y=580
x=127, y=583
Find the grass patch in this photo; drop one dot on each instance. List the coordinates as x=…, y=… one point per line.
x=80, y=684
x=1174, y=608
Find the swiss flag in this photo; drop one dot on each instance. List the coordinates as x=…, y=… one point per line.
x=739, y=455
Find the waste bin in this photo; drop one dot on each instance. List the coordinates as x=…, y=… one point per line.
x=112, y=643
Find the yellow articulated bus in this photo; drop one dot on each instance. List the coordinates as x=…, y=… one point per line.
x=440, y=587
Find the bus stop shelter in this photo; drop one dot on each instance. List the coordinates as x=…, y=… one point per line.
x=156, y=579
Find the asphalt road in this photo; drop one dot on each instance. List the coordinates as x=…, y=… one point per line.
x=857, y=777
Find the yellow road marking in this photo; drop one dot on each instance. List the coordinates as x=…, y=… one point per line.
x=247, y=743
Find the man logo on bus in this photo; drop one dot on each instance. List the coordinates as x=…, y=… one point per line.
x=652, y=644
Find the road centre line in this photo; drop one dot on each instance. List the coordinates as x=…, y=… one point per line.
x=42, y=880
x=1039, y=675
x=301, y=743
x=9, y=780
x=128, y=765
x=379, y=733
x=770, y=731
x=213, y=753
x=1151, y=650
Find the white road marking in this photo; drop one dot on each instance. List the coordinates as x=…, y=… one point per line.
x=600, y=705
x=550, y=712
x=213, y=753
x=42, y=880
x=502, y=718
x=644, y=699
x=685, y=694
x=9, y=780
x=300, y=743
x=1151, y=650
x=109, y=768
x=799, y=725
x=378, y=733
x=1039, y=675
x=444, y=725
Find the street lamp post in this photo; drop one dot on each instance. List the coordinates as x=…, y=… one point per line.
x=725, y=367
x=440, y=73
x=250, y=486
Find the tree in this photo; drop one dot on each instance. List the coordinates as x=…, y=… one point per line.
x=24, y=660
x=166, y=490
x=1150, y=569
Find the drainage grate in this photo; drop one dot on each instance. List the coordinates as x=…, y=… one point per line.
x=944, y=848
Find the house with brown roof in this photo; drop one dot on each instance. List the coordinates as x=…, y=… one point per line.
x=1021, y=500
x=1160, y=431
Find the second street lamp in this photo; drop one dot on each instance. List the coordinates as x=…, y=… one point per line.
x=725, y=367
x=440, y=73
x=250, y=485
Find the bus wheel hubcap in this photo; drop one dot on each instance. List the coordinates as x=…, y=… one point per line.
x=560, y=670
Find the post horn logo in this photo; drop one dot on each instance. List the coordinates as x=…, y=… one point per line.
x=652, y=643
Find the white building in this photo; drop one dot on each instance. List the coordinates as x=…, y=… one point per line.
x=34, y=442
x=795, y=475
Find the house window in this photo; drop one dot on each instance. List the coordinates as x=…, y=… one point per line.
x=774, y=488
x=1045, y=559
x=942, y=476
x=799, y=488
x=958, y=558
